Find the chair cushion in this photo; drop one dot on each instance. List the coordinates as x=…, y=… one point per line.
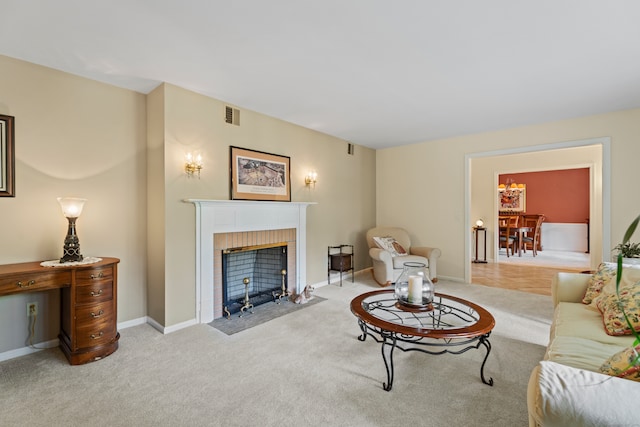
x=582, y=321
x=390, y=244
x=398, y=261
x=580, y=352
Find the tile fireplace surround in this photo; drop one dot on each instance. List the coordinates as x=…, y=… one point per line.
x=236, y=216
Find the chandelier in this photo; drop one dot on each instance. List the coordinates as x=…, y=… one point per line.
x=511, y=186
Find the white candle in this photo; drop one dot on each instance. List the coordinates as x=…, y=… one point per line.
x=415, y=289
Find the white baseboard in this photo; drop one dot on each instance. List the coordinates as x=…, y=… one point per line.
x=12, y=354
x=155, y=324
x=18, y=352
x=179, y=326
x=132, y=323
x=172, y=328
x=450, y=279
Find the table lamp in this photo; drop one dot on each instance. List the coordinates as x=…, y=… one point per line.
x=71, y=209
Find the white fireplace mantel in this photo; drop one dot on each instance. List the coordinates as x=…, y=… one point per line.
x=228, y=216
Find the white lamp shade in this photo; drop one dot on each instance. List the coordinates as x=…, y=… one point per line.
x=480, y=222
x=71, y=206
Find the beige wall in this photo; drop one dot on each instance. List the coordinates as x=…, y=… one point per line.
x=124, y=151
x=83, y=138
x=74, y=137
x=156, y=231
x=432, y=174
x=345, y=191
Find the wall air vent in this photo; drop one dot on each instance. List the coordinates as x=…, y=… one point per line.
x=232, y=116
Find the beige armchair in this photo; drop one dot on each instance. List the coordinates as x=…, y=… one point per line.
x=387, y=266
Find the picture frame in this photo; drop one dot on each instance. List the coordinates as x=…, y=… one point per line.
x=256, y=175
x=512, y=200
x=7, y=156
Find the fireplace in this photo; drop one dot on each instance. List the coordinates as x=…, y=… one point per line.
x=247, y=241
x=252, y=276
x=244, y=223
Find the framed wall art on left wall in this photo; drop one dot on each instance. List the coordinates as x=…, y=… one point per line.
x=7, y=157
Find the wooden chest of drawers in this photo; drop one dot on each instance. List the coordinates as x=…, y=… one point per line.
x=88, y=315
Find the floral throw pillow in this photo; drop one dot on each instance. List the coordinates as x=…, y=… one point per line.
x=604, y=274
x=612, y=306
x=622, y=364
x=630, y=277
x=390, y=244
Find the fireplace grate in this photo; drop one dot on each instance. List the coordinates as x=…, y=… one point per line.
x=256, y=274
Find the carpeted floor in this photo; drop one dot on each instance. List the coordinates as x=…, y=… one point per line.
x=306, y=368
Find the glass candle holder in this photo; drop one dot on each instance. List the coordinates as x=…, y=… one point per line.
x=413, y=288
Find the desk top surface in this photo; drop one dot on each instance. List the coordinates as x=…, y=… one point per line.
x=35, y=267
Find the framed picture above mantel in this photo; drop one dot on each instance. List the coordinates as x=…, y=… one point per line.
x=256, y=175
x=7, y=157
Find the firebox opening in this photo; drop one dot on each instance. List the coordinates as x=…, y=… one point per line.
x=262, y=268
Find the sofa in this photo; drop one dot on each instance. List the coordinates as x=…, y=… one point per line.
x=390, y=248
x=569, y=388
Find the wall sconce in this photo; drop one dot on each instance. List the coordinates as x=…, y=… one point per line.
x=193, y=165
x=311, y=178
x=71, y=209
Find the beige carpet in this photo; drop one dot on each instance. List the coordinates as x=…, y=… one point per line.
x=306, y=368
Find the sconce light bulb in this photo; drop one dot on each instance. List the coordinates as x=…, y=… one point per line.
x=192, y=166
x=479, y=222
x=311, y=178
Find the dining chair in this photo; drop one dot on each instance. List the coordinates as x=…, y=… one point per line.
x=531, y=238
x=507, y=238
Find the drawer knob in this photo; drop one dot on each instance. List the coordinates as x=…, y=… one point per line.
x=95, y=294
x=97, y=276
x=96, y=336
x=25, y=285
x=98, y=314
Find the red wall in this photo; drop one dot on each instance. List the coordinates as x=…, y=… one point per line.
x=561, y=195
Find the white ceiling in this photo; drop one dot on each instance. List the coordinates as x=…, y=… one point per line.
x=373, y=72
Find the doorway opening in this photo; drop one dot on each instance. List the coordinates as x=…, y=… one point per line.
x=481, y=181
x=550, y=212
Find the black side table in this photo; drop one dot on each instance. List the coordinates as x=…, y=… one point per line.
x=477, y=231
x=339, y=258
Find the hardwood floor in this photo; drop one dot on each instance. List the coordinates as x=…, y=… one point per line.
x=526, y=278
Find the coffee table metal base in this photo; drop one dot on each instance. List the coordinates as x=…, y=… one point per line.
x=390, y=341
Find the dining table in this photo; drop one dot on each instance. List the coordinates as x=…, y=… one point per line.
x=519, y=232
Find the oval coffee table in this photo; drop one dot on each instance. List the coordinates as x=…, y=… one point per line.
x=451, y=325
